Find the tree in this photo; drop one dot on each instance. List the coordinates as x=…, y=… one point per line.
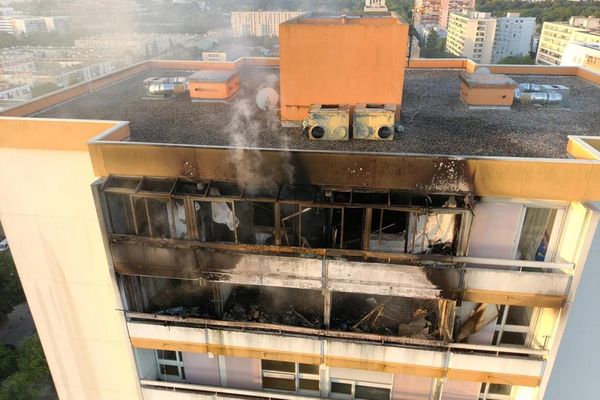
x=8, y=362
x=11, y=292
x=32, y=367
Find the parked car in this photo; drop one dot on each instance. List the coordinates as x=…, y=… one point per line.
x=4, y=246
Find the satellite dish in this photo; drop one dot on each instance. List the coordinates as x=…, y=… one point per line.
x=267, y=99
x=482, y=71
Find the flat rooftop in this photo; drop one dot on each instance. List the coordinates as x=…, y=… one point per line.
x=435, y=118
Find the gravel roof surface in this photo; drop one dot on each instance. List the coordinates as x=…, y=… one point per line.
x=436, y=120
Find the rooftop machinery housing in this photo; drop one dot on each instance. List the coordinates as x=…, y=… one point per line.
x=176, y=249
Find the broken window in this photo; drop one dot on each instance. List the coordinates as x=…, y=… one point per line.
x=153, y=216
x=170, y=365
x=120, y=214
x=215, y=221
x=385, y=315
x=353, y=228
x=267, y=304
x=432, y=233
x=290, y=377
x=256, y=222
x=180, y=219
x=388, y=231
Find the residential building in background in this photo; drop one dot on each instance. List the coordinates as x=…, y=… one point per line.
x=259, y=23
x=471, y=34
x=427, y=12
x=513, y=36
x=375, y=6
x=487, y=39
x=194, y=250
x=586, y=55
x=21, y=92
x=6, y=15
x=29, y=25
x=556, y=35
x=436, y=12
x=450, y=6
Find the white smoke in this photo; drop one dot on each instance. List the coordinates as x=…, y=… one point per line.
x=247, y=125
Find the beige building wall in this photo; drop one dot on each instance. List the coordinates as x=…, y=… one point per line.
x=48, y=213
x=471, y=35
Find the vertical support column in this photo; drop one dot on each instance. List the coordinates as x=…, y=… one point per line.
x=222, y=370
x=367, y=228
x=326, y=294
x=277, y=211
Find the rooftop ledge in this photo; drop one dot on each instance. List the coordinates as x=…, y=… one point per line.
x=118, y=147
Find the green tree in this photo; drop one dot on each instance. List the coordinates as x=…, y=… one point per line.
x=8, y=362
x=24, y=384
x=11, y=292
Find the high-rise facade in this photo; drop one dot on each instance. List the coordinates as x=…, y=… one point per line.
x=259, y=23
x=557, y=35
x=487, y=39
x=192, y=250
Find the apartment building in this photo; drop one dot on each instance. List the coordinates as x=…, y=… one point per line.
x=375, y=6
x=452, y=6
x=29, y=25
x=486, y=39
x=471, y=34
x=427, y=12
x=195, y=250
x=259, y=23
x=582, y=54
x=436, y=12
x=6, y=13
x=513, y=36
x=556, y=36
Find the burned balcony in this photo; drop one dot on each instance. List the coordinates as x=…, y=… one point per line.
x=306, y=217
x=267, y=307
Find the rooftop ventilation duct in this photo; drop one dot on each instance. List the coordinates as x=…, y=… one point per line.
x=165, y=87
x=546, y=95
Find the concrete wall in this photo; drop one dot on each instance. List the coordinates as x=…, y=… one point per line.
x=48, y=213
x=411, y=387
x=202, y=369
x=243, y=373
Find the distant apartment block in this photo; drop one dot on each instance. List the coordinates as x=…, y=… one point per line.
x=436, y=12
x=29, y=25
x=375, y=6
x=6, y=14
x=450, y=6
x=556, y=36
x=586, y=55
x=486, y=39
x=427, y=12
x=471, y=35
x=513, y=36
x=259, y=23
x=145, y=45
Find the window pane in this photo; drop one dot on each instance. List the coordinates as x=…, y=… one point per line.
x=341, y=388
x=499, y=389
x=309, y=384
x=181, y=229
x=518, y=315
x=282, y=366
x=371, y=393
x=308, y=369
x=535, y=234
x=121, y=218
x=171, y=370
x=279, y=384
x=141, y=217
x=166, y=355
x=159, y=218
x=515, y=338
